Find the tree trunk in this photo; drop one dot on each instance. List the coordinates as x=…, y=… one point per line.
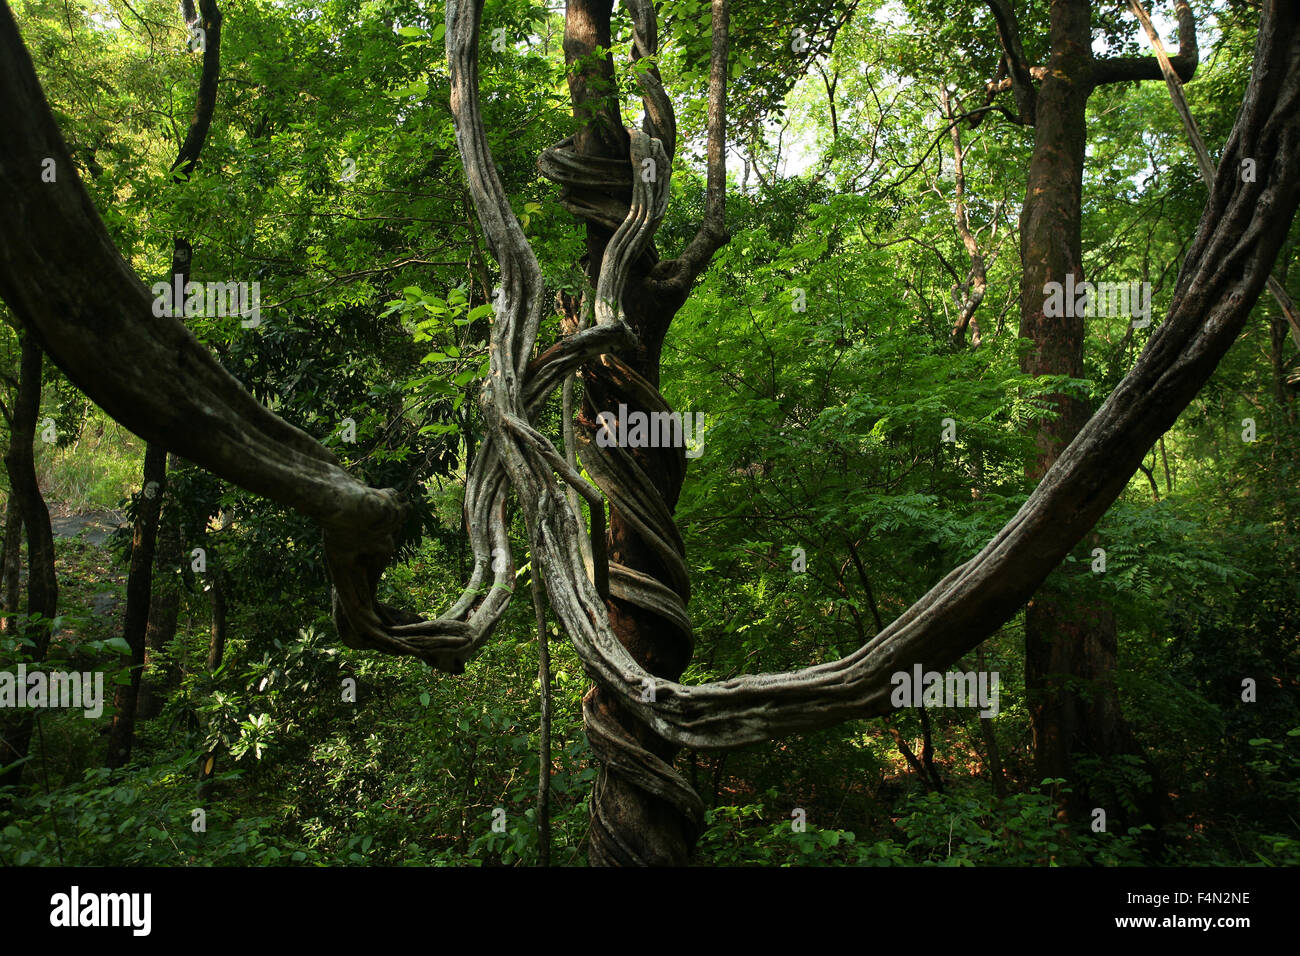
x=630, y=826
x=42, y=584
x=217, y=639
x=1070, y=641
x=12, y=559
x=164, y=613
x=139, y=584
x=994, y=755
x=216, y=652
x=140, y=613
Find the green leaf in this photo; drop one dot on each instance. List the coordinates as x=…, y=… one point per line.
x=418, y=88
x=440, y=429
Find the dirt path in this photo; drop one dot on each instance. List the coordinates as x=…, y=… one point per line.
x=92, y=526
x=84, y=573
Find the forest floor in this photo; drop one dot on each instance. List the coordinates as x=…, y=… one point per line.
x=92, y=578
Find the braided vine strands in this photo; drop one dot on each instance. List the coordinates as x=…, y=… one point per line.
x=532, y=459
x=449, y=640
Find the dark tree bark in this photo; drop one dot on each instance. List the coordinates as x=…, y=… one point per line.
x=164, y=611
x=991, y=750
x=139, y=582
x=1066, y=641
x=217, y=634
x=1070, y=641
x=12, y=559
x=42, y=584
x=216, y=653
x=1017, y=68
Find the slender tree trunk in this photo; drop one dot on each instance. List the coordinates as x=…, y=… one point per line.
x=217, y=638
x=994, y=755
x=139, y=583
x=164, y=612
x=927, y=750
x=13, y=558
x=42, y=584
x=922, y=766
x=216, y=653
x=544, y=729
x=967, y=295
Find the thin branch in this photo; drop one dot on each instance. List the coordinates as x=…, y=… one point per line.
x=1119, y=69
x=1173, y=81
x=206, y=102
x=712, y=234
x=1018, y=69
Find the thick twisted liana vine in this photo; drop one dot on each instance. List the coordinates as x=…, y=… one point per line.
x=1239, y=234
